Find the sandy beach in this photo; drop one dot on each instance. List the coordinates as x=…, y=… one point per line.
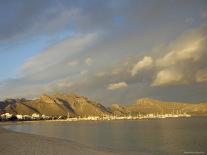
x=14, y=143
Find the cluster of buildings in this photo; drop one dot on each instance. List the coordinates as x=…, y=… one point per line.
x=35, y=116
x=129, y=117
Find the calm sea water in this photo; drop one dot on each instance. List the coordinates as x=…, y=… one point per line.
x=163, y=136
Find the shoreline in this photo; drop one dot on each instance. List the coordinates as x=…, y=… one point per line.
x=108, y=118
x=2, y=123
x=28, y=144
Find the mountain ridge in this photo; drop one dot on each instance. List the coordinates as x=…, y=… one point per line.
x=62, y=104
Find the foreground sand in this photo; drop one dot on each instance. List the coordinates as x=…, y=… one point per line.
x=14, y=143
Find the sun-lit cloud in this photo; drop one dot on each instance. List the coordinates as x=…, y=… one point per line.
x=88, y=61
x=185, y=57
x=146, y=62
x=201, y=75
x=183, y=50
x=165, y=77
x=118, y=85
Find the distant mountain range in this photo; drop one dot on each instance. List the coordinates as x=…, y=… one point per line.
x=147, y=106
x=63, y=104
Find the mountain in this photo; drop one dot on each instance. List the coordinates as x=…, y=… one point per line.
x=61, y=104
x=57, y=105
x=118, y=110
x=147, y=105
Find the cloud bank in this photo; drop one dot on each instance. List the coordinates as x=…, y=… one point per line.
x=111, y=51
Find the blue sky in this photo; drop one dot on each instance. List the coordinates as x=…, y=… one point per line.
x=113, y=51
x=14, y=55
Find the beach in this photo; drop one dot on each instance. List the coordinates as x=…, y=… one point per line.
x=15, y=143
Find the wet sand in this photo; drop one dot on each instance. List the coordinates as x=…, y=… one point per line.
x=14, y=143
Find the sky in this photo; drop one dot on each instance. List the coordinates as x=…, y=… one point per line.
x=113, y=51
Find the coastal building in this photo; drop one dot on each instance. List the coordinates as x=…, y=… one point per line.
x=19, y=117
x=35, y=116
x=6, y=116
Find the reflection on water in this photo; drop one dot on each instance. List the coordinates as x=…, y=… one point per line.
x=164, y=136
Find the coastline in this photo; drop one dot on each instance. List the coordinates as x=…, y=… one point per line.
x=2, y=123
x=27, y=144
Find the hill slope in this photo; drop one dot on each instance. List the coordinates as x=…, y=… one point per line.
x=58, y=105
x=147, y=105
x=61, y=104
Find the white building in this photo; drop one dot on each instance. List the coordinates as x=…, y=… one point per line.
x=6, y=116
x=19, y=117
x=35, y=116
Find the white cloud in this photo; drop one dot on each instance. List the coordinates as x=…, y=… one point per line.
x=183, y=51
x=146, y=62
x=183, y=59
x=118, y=85
x=165, y=77
x=58, y=53
x=43, y=72
x=88, y=61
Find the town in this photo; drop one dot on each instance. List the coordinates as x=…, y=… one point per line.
x=35, y=116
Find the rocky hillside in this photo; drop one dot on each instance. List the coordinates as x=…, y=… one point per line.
x=57, y=105
x=61, y=104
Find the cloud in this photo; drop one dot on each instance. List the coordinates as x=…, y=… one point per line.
x=118, y=85
x=83, y=72
x=182, y=61
x=25, y=20
x=204, y=13
x=45, y=71
x=145, y=63
x=106, y=33
x=57, y=85
x=167, y=76
x=201, y=75
x=188, y=47
x=63, y=84
x=116, y=71
x=185, y=59
x=100, y=74
x=57, y=54
x=73, y=63
x=88, y=61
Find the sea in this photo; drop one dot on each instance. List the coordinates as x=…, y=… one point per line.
x=154, y=136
